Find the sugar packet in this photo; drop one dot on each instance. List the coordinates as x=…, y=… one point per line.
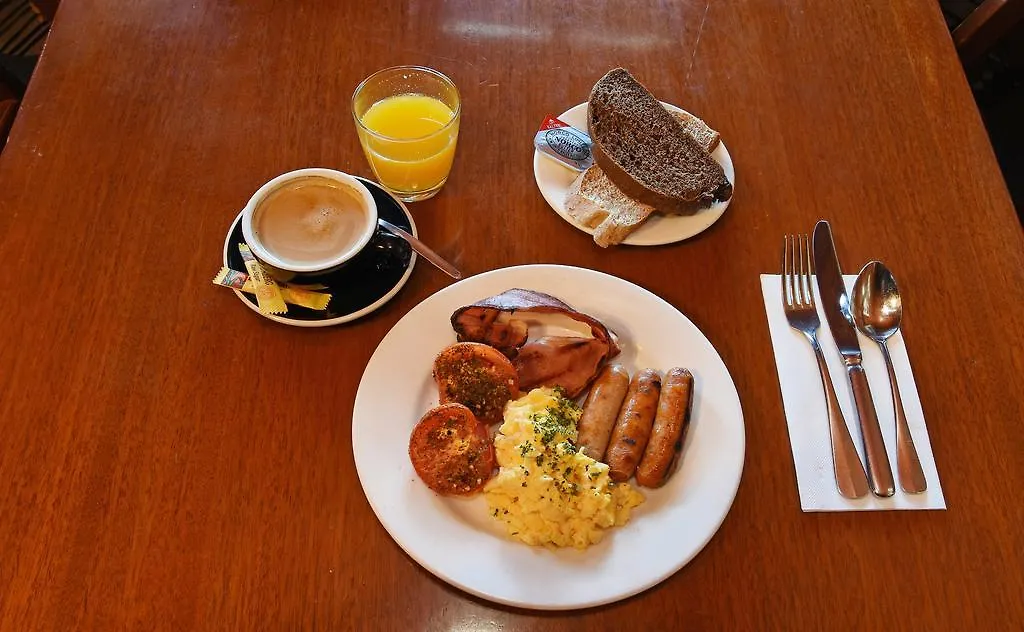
x=291, y=294
x=268, y=293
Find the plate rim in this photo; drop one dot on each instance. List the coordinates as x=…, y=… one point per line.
x=642, y=586
x=716, y=210
x=339, y=320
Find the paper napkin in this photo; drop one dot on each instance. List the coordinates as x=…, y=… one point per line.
x=807, y=418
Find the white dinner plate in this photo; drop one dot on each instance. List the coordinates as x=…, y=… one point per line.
x=553, y=179
x=457, y=540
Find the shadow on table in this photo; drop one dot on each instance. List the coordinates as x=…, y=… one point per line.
x=990, y=39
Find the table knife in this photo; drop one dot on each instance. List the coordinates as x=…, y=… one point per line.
x=836, y=304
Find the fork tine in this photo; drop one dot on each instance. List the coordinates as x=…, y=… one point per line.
x=785, y=268
x=799, y=280
x=797, y=294
x=786, y=277
x=794, y=288
x=808, y=289
x=805, y=269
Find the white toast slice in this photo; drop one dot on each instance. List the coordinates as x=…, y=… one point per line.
x=595, y=202
x=706, y=137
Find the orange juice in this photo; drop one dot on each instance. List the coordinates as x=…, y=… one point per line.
x=413, y=143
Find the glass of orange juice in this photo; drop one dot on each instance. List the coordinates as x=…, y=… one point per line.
x=408, y=122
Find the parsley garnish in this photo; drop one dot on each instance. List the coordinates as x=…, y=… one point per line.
x=558, y=419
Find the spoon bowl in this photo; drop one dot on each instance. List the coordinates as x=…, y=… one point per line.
x=877, y=305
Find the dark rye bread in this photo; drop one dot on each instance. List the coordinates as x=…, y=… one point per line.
x=645, y=151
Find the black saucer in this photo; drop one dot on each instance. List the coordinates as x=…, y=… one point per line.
x=362, y=285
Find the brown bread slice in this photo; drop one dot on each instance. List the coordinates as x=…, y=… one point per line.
x=645, y=151
x=594, y=201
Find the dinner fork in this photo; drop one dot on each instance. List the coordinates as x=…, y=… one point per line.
x=798, y=303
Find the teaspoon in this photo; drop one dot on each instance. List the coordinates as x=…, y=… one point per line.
x=422, y=248
x=878, y=310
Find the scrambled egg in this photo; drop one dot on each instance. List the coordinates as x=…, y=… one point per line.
x=546, y=492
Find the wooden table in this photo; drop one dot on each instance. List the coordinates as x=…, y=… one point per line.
x=170, y=460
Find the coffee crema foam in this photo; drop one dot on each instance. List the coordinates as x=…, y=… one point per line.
x=310, y=220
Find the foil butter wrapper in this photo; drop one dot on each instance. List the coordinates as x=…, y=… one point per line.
x=564, y=143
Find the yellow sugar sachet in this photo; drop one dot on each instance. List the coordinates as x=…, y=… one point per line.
x=292, y=295
x=231, y=278
x=268, y=294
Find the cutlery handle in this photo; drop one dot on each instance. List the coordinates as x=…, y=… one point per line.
x=850, y=478
x=879, y=472
x=908, y=464
x=423, y=249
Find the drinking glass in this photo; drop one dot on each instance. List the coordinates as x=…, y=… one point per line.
x=407, y=118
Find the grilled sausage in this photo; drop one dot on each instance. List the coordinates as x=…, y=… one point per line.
x=633, y=427
x=601, y=410
x=670, y=424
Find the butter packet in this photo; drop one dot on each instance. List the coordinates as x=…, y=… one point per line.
x=564, y=143
x=292, y=295
x=232, y=278
x=268, y=294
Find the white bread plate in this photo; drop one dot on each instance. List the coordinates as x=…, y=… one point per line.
x=553, y=179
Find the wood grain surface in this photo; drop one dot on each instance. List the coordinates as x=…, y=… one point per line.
x=169, y=460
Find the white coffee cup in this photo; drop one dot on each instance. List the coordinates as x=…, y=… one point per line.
x=309, y=220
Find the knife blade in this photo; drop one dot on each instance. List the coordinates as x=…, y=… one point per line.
x=836, y=304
